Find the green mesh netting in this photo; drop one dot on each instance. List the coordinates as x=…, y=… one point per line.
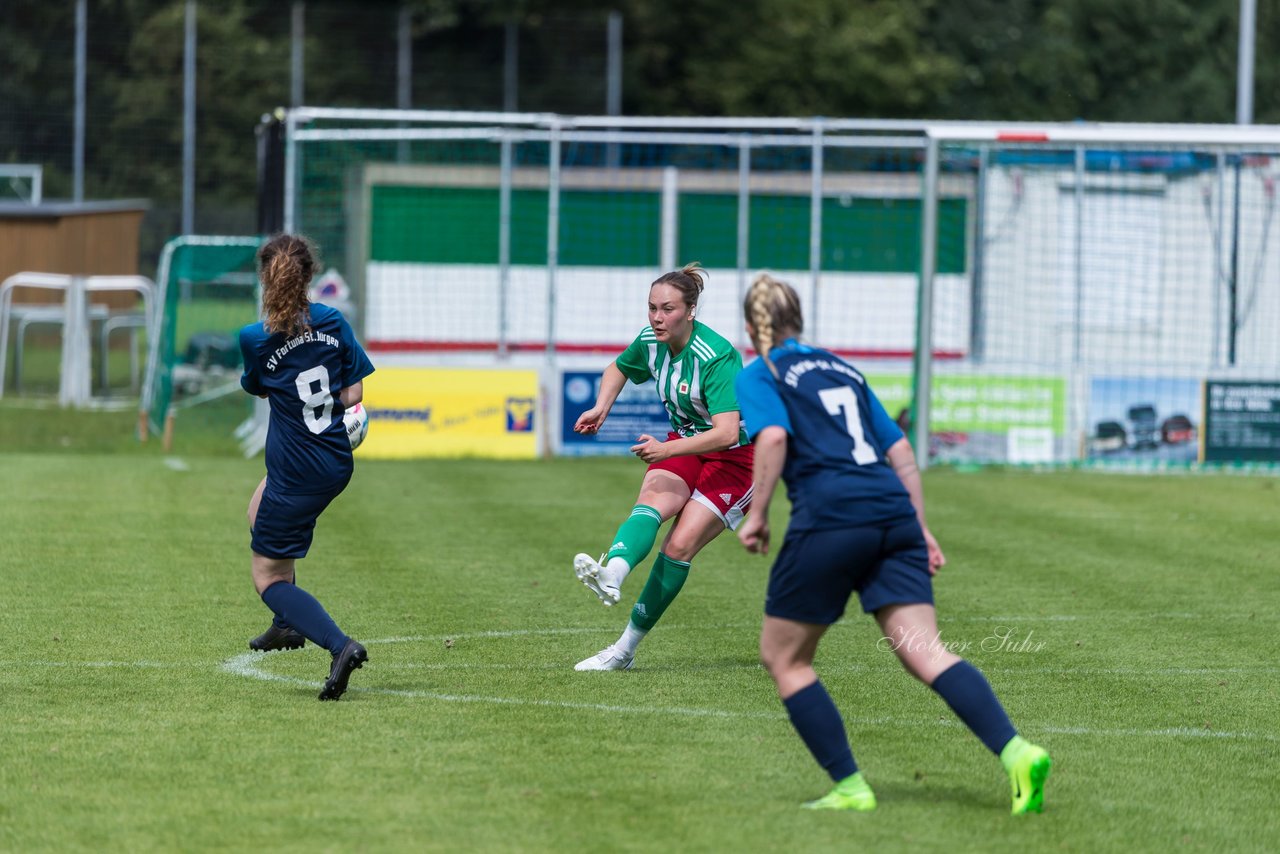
x=207, y=288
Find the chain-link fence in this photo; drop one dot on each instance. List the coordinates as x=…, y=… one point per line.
x=353, y=54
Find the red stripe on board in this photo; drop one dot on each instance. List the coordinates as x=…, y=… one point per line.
x=1012, y=136
x=376, y=346
x=485, y=346
x=938, y=355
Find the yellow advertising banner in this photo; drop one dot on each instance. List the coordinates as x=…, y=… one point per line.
x=451, y=412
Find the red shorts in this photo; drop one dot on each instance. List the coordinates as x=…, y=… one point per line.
x=720, y=481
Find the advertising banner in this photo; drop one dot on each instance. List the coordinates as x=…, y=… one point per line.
x=451, y=412
x=1241, y=421
x=974, y=418
x=985, y=419
x=637, y=410
x=1143, y=419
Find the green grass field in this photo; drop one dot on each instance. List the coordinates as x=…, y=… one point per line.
x=1144, y=611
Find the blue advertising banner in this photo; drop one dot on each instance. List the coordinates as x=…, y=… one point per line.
x=1143, y=419
x=637, y=410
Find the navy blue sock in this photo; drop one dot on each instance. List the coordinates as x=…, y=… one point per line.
x=300, y=609
x=969, y=695
x=277, y=620
x=821, y=728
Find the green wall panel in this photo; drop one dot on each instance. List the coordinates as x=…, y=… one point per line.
x=708, y=230
x=623, y=229
x=610, y=229
x=441, y=225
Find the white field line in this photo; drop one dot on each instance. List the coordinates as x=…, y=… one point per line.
x=1164, y=732
x=854, y=621
x=91, y=665
x=864, y=668
x=827, y=668
x=249, y=664
x=1108, y=616
x=245, y=664
x=520, y=633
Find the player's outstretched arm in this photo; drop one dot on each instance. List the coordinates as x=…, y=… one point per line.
x=903, y=460
x=611, y=384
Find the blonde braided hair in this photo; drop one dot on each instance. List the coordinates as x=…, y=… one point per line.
x=772, y=307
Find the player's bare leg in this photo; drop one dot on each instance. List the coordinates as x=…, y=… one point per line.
x=279, y=635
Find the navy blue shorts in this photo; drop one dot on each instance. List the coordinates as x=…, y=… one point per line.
x=287, y=521
x=817, y=571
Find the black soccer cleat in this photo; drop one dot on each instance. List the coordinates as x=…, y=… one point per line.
x=277, y=638
x=352, y=657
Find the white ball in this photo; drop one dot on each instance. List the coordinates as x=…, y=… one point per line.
x=356, y=422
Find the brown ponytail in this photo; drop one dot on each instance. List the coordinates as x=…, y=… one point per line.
x=286, y=265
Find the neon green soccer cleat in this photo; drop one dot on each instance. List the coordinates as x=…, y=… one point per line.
x=851, y=793
x=1028, y=767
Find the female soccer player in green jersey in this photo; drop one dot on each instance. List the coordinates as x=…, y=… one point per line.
x=700, y=474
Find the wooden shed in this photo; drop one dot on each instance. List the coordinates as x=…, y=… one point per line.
x=88, y=238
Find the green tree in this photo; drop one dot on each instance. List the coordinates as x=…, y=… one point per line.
x=1143, y=60
x=784, y=57
x=37, y=62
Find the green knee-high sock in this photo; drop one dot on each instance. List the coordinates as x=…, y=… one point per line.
x=660, y=590
x=635, y=536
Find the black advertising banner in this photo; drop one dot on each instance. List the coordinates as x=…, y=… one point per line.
x=1241, y=421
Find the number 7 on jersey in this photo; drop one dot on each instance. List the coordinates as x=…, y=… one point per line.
x=842, y=399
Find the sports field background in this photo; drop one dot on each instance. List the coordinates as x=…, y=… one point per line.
x=134, y=717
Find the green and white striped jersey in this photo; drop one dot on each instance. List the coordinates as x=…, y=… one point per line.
x=694, y=384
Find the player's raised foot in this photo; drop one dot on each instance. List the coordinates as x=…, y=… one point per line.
x=278, y=638
x=352, y=657
x=597, y=578
x=1028, y=766
x=851, y=793
x=610, y=658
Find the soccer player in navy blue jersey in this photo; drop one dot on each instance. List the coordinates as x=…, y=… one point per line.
x=857, y=524
x=305, y=360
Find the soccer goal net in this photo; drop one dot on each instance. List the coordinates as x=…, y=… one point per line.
x=505, y=233
x=207, y=291
x=1055, y=295
x=1120, y=292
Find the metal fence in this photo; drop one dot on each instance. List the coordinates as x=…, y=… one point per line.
x=1016, y=293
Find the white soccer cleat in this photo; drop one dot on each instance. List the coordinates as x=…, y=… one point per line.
x=598, y=578
x=609, y=658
